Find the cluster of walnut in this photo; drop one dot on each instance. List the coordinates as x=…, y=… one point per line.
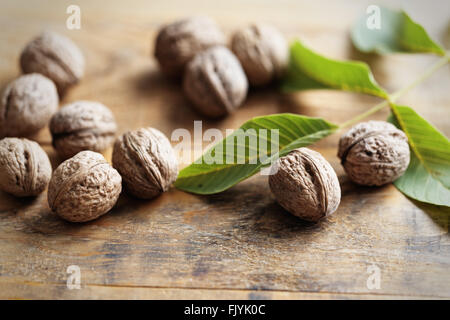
x=51, y=63
x=85, y=186
x=215, y=78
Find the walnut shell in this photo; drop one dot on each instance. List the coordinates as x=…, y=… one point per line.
x=374, y=153
x=54, y=56
x=262, y=51
x=146, y=161
x=178, y=42
x=215, y=82
x=82, y=125
x=27, y=105
x=84, y=187
x=25, y=169
x=306, y=185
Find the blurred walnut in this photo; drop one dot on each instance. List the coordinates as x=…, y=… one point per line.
x=215, y=83
x=54, y=56
x=262, y=51
x=178, y=42
x=374, y=153
x=146, y=161
x=305, y=184
x=82, y=125
x=25, y=169
x=27, y=105
x=84, y=187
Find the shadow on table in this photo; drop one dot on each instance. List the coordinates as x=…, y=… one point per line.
x=439, y=214
x=11, y=204
x=255, y=211
x=171, y=100
x=36, y=215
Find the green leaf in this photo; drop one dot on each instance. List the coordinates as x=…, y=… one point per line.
x=397, y=33
x=427, y=178
x=294, y=131
x=309, y=70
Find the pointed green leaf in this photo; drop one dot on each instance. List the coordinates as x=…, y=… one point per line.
x=309, y=70
x=427, y=178
x=397, y=32
x=205, y=176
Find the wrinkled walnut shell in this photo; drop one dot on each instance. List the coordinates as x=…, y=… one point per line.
x=374, y=153
x=262, y=51
x=146, y=161
x=215, y=82
x=27, y=105
x=84, y=187
x=25, y=169
x=54, y=56
x=306, y=185
x=178, y=42
x=82, y=125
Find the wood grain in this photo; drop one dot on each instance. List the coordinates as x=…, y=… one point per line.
x=238, y=244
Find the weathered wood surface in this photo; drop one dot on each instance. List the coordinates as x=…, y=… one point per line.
x=238, y=244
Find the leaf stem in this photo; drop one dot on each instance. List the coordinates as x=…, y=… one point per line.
x=440, y=63
x=364, y=115
x=394, y=96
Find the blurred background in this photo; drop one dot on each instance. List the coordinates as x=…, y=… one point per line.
x=117, y=39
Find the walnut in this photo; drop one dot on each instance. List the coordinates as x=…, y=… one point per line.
x=82, y=125
x=178, y=42
x=54, y=56
x=215, y=83
x=306, y=185
x=27, y=105
x=374, y=153
x=84, y=187
x=25, y=169
x=146, y=161
x=262, y=51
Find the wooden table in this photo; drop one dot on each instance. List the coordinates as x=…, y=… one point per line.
x=240, y=243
